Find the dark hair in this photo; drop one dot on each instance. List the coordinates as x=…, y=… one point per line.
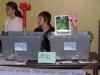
x=13, y=5
x=46, y=15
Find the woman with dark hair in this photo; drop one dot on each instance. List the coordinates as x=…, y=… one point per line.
x=44, y=20
x=14, y=19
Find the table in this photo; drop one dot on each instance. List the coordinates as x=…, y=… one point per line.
x=74, y=65
x=92, y=64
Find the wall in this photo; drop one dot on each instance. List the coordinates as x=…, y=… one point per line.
x=88, y=13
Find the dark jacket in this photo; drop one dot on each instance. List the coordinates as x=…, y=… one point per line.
x=45, y=44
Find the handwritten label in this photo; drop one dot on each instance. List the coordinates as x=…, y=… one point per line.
x=46, y=57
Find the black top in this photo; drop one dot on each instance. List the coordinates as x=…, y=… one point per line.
x=45, y=44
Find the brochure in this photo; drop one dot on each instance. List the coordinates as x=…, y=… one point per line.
x=62, y=25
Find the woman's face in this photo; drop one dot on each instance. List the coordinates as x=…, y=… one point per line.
x=10, y=11
x=41, y=21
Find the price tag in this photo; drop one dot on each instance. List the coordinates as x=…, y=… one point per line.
x=46, y=57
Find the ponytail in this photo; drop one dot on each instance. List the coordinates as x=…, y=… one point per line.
x=18, y=13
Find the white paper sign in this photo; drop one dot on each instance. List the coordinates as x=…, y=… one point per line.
x=70, y=45
x=20, y=46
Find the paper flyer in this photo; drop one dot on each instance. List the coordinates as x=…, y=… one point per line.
x=62, y=25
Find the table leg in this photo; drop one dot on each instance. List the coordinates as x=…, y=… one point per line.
x=95, y=70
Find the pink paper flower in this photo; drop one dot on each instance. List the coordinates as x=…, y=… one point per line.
x=73, y=19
